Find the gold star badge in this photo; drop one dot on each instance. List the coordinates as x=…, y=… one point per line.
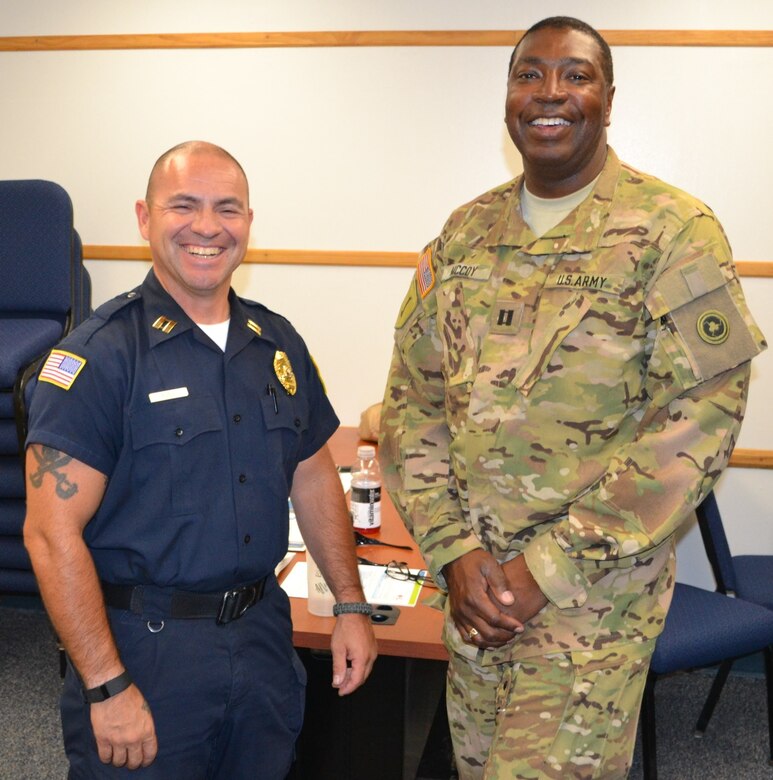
x=284, y=372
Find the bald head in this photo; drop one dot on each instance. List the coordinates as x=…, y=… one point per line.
x=188, y=148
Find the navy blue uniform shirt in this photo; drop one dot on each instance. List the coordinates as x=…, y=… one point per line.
x=199, y=446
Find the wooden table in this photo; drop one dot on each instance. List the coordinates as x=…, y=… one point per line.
x=363, y=735
x=416, y=634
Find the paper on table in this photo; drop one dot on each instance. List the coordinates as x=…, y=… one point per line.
x=284, y=562
x=295, y=541
x=379, y=589
x=346, y=480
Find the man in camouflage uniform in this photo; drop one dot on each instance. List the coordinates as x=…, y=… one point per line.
x=568, y=381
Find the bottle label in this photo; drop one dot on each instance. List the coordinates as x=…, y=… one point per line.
x=366, y=507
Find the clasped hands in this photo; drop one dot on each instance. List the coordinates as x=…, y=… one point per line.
x=490, y=602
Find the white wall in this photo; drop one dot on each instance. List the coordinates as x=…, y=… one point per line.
x=370, y=149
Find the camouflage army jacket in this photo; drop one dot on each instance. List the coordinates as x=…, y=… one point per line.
x=570, y=397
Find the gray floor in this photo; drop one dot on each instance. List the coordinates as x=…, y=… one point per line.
x=734, y=748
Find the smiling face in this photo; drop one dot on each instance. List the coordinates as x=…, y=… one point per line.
x=197, y=220
x=557, y=110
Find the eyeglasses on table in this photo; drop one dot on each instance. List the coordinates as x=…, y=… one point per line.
x=399, y=570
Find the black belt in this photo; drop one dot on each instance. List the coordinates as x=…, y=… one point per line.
x=224, y=607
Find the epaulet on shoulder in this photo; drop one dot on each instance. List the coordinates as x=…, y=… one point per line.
x=495, y=198
x=495, y=194
x=109, y=309
x=259, y=307
x=681, y=202
x=106, y=312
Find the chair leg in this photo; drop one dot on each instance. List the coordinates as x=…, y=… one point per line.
x=647, y=725
x=768, y=657
x=713, y=697
x=60, y=651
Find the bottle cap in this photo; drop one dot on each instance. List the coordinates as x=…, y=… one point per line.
x=366, y=452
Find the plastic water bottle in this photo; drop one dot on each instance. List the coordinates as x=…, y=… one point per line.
x=366, y=491
x=321, y=599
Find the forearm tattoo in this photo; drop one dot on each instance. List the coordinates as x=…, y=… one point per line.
x=51, y=461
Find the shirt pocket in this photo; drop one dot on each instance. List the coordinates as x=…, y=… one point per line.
x=547, y=338
x=285, y=418
x=589, y=318
x=176, y=450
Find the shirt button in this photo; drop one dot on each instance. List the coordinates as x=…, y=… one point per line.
x=247, y=539
x=237, y=418
x=297, y=422
x=242, y=478
x=179, y=432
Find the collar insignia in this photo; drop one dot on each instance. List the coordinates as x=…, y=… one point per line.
x=254, y=327
x=164, y=324
x=284, y=372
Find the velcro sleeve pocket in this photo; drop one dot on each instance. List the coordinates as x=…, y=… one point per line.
x=710, y=333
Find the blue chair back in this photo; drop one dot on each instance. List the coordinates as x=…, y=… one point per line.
x=82, y=303
x=715, y=542
x=42, y=296
x=36, y=232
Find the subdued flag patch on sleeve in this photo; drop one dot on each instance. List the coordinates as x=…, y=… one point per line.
x=61, y=368
x=425, y=273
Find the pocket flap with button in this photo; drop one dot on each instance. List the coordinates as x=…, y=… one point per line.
x=544, y=344
x=281, y=411
x=174, y=422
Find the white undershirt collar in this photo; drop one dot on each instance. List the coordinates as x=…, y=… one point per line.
x=217, y=331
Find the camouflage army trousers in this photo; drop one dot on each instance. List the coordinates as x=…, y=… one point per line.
x=562, y=716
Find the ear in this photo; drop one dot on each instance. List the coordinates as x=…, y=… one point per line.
x=142, y=211
x=608, y=110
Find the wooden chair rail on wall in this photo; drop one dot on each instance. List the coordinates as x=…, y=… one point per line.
x=753, y=459
x=319, y=38
x=754, y=268
x=741, y=38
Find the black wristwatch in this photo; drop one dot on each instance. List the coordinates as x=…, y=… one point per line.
x=108, y=689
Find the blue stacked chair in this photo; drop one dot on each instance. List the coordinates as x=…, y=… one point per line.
x=748, y=577
x=44, y=293
x=705, y=628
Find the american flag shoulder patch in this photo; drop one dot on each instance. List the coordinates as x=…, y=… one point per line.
x=425, y=273
x=61, y=368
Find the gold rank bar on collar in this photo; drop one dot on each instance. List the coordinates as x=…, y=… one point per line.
x=164, y=324
x=254, y=327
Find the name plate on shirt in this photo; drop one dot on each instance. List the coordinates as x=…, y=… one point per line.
x=585, y=281
x=167, y=395
x=479, y=273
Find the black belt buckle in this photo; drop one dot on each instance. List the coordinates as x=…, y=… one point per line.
x=236, y=602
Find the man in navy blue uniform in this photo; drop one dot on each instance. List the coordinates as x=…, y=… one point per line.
x=166, y=434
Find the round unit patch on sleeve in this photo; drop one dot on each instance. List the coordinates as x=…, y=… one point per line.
x=713, y=327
